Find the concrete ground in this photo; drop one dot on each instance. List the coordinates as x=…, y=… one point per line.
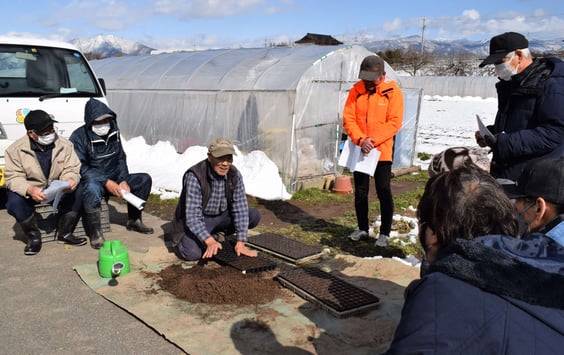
x=47, y=309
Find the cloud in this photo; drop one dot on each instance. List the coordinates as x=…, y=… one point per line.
x=196, y=9
x=471, y=15
x=106, y=15
x=391, y=26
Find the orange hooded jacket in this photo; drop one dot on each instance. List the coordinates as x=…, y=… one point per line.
x=378, y=116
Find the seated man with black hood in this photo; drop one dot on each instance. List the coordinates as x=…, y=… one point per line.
x=104, y=169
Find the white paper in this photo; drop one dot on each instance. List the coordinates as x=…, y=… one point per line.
x=133, y=200
x=484, y=131
x=353, y=159
x=55, y=191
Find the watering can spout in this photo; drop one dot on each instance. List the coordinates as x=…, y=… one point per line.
x=113, y=259
x=116, y=269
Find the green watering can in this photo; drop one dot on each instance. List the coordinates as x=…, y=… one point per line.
x=113, y=259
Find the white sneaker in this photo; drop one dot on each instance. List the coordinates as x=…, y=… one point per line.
x=382, y=240
x=357, y=234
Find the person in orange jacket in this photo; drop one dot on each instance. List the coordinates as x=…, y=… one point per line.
x=372, y=116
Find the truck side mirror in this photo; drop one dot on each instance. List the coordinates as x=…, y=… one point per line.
x=103, y=85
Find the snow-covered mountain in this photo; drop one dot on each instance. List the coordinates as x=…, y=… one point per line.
x=103, y=46
x=439, y=47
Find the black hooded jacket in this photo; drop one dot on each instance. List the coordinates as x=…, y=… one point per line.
x=101, y=158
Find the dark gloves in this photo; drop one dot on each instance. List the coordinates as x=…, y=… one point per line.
x=491, y=140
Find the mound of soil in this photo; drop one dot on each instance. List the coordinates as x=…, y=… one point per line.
x=214, y=284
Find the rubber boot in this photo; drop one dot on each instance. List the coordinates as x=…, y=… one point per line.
x=137, y=225
x=65, y=227
x=94, y=225
x=31, y=230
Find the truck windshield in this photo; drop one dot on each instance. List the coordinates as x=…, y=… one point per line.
x=34, y=71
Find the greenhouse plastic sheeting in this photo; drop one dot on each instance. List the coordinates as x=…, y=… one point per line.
x=284, y=101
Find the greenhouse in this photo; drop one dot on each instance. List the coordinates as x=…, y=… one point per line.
x=284, y=101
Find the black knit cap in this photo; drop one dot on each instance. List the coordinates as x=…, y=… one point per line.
x=503, y=44
x=38, y=120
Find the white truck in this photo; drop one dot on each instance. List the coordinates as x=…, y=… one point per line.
x=37, y=74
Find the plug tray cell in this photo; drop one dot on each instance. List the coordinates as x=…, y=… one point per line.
x=284, y=248
x=243, y=263
x=337, y=296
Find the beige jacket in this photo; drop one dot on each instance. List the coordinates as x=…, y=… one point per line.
x=23, y=169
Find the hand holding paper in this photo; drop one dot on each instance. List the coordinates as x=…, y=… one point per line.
x=353, y=159
x=55, y=191
x=133, y=200
x=488, y=136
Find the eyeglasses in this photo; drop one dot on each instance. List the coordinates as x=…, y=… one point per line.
x=507, y=58
x=224, y=158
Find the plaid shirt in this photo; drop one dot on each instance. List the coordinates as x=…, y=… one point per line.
x=217, y=204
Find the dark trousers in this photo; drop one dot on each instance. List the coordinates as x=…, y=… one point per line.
x=382, y=180
x=93, y=192
x=22, y=208
x=191, y=248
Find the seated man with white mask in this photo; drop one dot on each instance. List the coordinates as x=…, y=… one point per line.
x=33, y=163
x=104, y=169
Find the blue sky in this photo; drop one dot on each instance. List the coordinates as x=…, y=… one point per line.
x=168, y=24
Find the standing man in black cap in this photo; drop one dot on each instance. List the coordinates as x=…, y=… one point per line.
x=33, y=162
x=529, y=123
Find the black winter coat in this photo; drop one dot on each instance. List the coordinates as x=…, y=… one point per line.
x=479, y=299
x=530, y=119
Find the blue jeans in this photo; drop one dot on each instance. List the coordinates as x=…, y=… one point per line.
x=22, y=208
x=191, y=248
x=94, y=192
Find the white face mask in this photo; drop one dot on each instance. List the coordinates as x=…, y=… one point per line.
x=101, y=129
x=504, y=71
x=47, y=139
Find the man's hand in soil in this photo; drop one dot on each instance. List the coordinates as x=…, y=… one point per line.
x=241, y=249
x=212, y=247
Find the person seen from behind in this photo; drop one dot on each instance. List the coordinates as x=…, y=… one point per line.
x=472, y=298
x=372, y=116
x=212, y=205
x=529, y=122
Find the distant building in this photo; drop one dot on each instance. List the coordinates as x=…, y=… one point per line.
x=322, y=40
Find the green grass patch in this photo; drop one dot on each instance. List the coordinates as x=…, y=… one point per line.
x=314, y=195
x=424, y=156
x=332, y=232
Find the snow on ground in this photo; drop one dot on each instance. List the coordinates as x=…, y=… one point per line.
x=443, y=122
x=451, y=122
